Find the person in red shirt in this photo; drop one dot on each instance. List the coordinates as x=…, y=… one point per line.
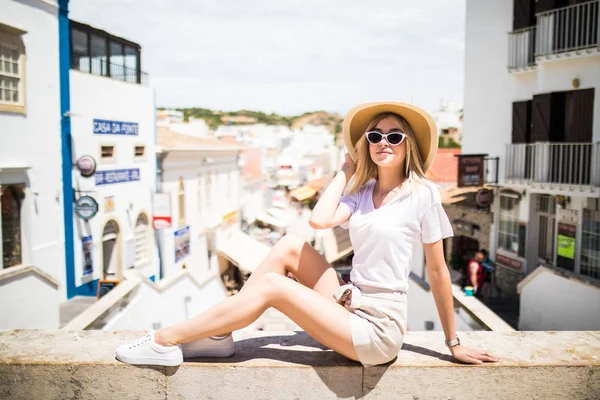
x=475, y=274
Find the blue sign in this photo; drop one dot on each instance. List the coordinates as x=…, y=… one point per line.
x=117, y=176
x=105, y=127
x=182, y=243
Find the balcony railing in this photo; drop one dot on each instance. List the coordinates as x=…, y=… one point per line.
x=561, y=30
x=521, y=45
x=98, y=66
x=554, y=163
x=568, y=28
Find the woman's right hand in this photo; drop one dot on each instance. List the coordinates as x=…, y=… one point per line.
x=349, y=167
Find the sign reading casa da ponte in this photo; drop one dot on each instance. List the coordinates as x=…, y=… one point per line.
x=106, y=127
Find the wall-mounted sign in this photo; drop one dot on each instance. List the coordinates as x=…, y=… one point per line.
x=161, y=211
x=117, y=176
x=566, y=216
x=484, y=197
x=470, y=170
x=86, y=207
x=86, y=166
x=105, y=286
x=565, y=247
x=509, y=262
x=88, y=263
x=105, y=127
x=109, y=204
x=182, y=243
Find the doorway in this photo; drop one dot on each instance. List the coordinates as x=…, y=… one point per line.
x=110, y=251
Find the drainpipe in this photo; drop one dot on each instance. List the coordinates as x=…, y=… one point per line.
x=160, y=157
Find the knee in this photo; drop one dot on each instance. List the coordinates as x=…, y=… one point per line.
x=271, y=285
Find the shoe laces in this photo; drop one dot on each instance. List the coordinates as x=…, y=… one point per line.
x=139, y=341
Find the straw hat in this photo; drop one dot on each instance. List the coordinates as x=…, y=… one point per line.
x=422, y=124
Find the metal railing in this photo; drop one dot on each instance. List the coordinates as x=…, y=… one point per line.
x=99, y=66
x=521, y=48
x=568, y=29
x=490, y=174
x=561, y=30
x=558, y=163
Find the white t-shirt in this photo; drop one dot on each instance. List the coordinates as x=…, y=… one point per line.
x=384, y=239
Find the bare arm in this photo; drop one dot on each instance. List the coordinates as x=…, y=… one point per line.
x=441, y=286
x=473, y=267
x=329, y=212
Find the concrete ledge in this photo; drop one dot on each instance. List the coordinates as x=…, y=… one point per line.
x=12, y=273
x=81, y=364
x=486, y=318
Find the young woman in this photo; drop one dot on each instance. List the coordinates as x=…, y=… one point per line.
x=389, y=208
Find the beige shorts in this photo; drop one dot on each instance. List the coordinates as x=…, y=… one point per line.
x=378, y=322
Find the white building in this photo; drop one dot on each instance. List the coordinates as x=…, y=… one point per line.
x=112, y=120
x=532, y=99
x=30, y=165
x=202, y=180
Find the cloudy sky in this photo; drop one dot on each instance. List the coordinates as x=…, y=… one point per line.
x=291, y=56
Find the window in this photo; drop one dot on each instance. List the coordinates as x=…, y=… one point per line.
x=508, y=231
x=139, y=152
x=181, y=195
x=107, y=153
x=546, y=213
x=590, y=239
x=98, y=55
x=12, y=69
x=80, y=59
x=11, y=198
x=142, y=241
x=101, y=53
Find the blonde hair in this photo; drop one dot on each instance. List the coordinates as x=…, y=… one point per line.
x=366, y=169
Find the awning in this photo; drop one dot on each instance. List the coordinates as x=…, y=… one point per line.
x=303, y=192
x=268, y=219
x=242, y=250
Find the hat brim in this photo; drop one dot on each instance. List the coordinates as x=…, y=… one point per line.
x=422, y=124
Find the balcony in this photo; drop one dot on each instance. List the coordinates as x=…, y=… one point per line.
x=115, y=71
x=100, y=53
x=561, y=32
x=554, y=166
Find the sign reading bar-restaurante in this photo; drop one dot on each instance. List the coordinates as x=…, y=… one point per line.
x=117, y=176
x=105, y=127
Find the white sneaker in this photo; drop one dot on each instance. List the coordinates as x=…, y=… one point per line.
x=215, y=346
x=145, y=351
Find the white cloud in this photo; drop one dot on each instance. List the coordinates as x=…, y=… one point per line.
x=291, y=56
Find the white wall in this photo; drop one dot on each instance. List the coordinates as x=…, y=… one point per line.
x=488, y=103
x=95, y=97
x=28, y=302
x=490, y=89
x=181, y=301
x=551, y=302
x=199, y=216
x=34, y=139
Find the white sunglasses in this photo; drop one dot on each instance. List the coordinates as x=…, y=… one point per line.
x=393, y=138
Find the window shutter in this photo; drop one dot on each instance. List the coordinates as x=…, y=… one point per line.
x=521, y=122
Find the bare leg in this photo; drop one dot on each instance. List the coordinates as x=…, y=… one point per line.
x=321, y=318
x=298, y=257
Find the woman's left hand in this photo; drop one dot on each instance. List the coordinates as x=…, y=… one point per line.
x=472, y=356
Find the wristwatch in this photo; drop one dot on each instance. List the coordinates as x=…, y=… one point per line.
x=453, y=342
